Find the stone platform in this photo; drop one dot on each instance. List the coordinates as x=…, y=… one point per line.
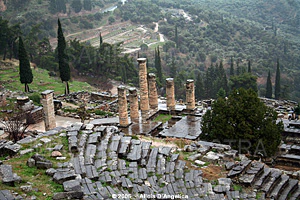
x=188, y=127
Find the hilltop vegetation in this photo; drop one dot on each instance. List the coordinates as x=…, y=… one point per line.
x=215, y=31
x=198, y=34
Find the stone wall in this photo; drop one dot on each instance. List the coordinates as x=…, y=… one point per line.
x=35, y=116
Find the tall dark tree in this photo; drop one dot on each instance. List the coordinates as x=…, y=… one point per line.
x=26, y=76
x=173, y=69
x=176, y=37
x=101, y=39
x=64, y=68
x=158, y=66
x=199, y=88
x=231, y=67
x=269, y=86
x=277, y=82
x=87, y=5
x=249, y=66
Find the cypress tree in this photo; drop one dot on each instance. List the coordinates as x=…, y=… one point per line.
x=26, y=76
x=173, y=70
x=158, y=66
x=269, y=86
x=101, y=39
x=249, y=66
x=64, y=68
x=176, y=37
x=231, y=67
x=277, y=82
x=199, y=88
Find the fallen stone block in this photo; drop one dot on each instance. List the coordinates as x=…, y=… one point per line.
x=7, y=176
x=72, y=185
x=26, y=151
x=62, y=176
x=30, y=162
x=43, y=165
x=67, y=195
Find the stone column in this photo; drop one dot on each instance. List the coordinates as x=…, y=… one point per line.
x=190, y=95
x=48, y=106
x=144, y=101
x=134, y=104
x=170, y=91
x=153, y=98
x=122, y=103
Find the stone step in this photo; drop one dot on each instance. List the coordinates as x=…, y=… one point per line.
x=291, y=186
x=271, y=181
x=252, y=173
x=296, y=194
x=90, y=153
x=265, y=174
x=124, y=146
x=284, y=179
x=79, y=167
x=239, y=169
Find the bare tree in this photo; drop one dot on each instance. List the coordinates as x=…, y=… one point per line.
x=13, y=122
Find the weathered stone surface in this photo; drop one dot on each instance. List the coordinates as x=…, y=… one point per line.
x=26, y=151
x=153, y=97
x=58, y=147
x=62, y=176
x=48, y=106
x=190, y=95
x=27, y=140
x=72, y=185
x=43, y=164
x=51, y=171
x=12, y=149
x=194, y=157
x=122, y=104
x=26, y=188
x=30, y=162
x=6, y=195
x=229, y=165
x=211, y=157
x=89, y=126
x=7, y=176
x=68, y=195
x=143, y=82
x=170, y=93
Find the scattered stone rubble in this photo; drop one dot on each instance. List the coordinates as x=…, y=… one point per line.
x=105, y=162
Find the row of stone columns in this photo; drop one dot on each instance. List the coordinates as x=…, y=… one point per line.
x=149, y=97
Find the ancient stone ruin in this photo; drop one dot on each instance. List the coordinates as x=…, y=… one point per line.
x=48, y=106
x=109, y=158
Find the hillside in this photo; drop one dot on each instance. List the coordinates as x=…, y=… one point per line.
x=9, y=79
x=195, y=35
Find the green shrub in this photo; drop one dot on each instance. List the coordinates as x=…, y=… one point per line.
x=36, y=98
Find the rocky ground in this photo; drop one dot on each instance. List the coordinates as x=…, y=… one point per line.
x=100, y=162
